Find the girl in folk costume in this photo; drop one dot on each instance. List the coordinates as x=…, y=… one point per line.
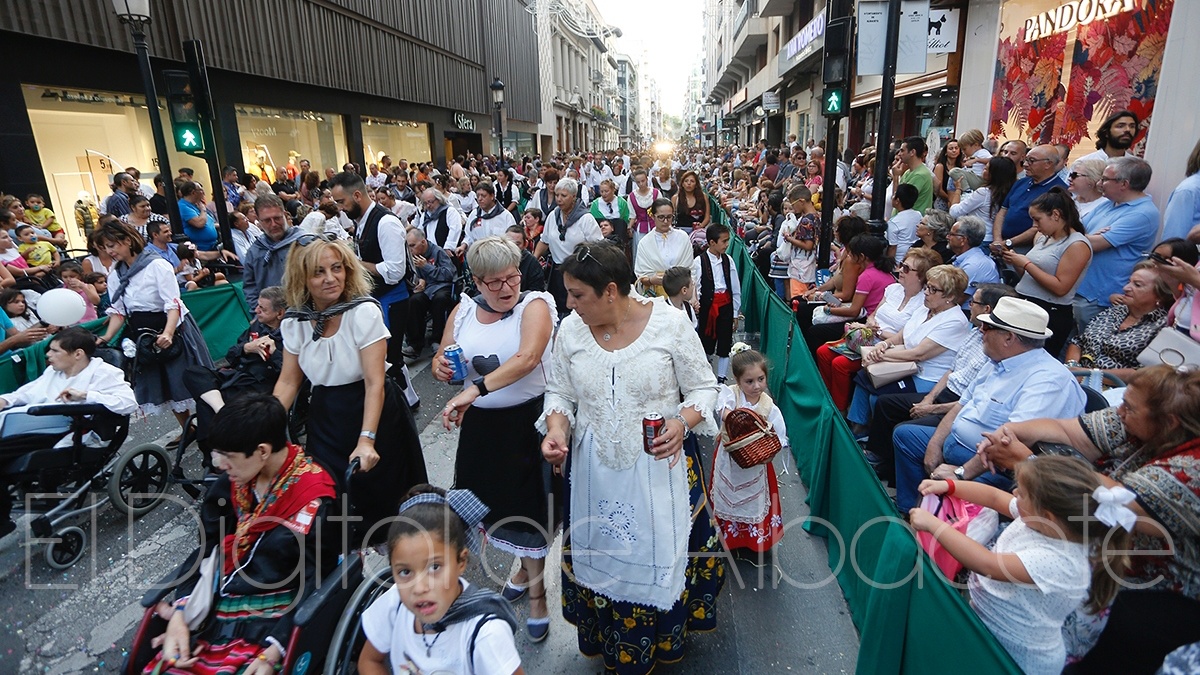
x=641, y=198
x=720, y=297
x=665, y=247
x=746, y=501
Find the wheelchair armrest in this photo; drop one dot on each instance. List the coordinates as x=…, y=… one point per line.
x=67, y=409
x=344, y=575
x=173, y=579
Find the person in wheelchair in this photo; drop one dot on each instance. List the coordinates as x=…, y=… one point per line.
x=75, y=375
x=255, y=362
x=264, y=519
x=432, y=620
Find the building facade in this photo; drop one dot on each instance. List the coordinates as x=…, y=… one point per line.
x=763, y=47
x=331, y=81
x=628, y=101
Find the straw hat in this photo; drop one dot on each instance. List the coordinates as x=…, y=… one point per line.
x=1019, y=316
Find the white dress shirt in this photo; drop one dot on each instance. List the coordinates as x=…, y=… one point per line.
x=392, y=243
x=719, y=279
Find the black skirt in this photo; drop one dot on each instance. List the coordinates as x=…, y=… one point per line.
x=334, y=423
x=500, y=460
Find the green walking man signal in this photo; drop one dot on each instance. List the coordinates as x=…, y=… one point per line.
x=181, y=108
x=833, y=102
x=187, y=137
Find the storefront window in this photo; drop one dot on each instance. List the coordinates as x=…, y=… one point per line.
x=518, y=143
x=272, y=138
x=398, y=139
x=84, y=137
x=935, y=110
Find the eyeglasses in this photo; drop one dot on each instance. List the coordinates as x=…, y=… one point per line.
x=934, y=289
x=664, y=216
x=1106, y=179
x=904, y=267
x=975, y=302
x=955, y=234
x=1031, y=160
x=498, y=284
x=306, y=239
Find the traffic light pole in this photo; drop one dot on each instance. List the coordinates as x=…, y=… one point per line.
x=156, y=126
x=193, y=54
x=835, y=75
x=883, y=140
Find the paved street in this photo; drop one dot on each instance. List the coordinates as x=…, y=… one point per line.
x=79, y=621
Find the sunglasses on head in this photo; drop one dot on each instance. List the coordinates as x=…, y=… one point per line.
x=306, y=239
x=584, y=253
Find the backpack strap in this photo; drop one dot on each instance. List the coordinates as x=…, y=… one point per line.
x=471, y=641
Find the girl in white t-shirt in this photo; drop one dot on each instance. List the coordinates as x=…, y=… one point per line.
x=1037, y=573
x=432, y=621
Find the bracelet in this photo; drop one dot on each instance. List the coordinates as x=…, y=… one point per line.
x=1025, y=267
x=272, y=642
x=687, y=429
x=950, y=489
x=367, y=434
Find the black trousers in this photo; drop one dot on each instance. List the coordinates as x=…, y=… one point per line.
x=722, y=342
x=1062, y=322
x=892, y=410
x=421, y=305
x=397, y=317
x=1142, y=629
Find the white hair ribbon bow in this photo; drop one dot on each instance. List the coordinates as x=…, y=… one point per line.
x=1112, y=509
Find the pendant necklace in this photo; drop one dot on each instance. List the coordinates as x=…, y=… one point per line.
x=429, y=645
x=608, y=336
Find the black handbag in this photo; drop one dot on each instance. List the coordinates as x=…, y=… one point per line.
x=143, y=328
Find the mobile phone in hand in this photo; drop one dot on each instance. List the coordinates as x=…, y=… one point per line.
x=1159, y=259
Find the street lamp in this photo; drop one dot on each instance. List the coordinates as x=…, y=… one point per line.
x=136, y=15
x=497, y=88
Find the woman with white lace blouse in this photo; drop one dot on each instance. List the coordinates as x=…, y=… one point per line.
x=635, y=575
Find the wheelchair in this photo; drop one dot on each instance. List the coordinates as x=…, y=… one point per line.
x=57, y=485
x=326, y=632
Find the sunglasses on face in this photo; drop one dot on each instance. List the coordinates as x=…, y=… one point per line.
x=934, y=289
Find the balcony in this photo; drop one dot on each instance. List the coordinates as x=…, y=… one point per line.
x=597, y=76
x=777, y=7
x=749, y=32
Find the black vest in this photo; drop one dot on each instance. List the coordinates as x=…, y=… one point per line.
x=368, y=247
x=707, y=286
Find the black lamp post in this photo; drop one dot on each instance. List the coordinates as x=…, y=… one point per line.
x=136, y=15
x=497, y=88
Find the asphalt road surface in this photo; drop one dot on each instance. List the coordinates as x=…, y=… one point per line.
x=776, y=617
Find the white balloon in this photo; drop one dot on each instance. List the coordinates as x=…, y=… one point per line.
x=61, y=307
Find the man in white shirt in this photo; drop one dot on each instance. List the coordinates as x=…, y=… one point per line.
x=488, y=218
x=441, y=222
x=1115, y=136
x=902, y=226
x=74, y=376
x=595, y=174
x=376, y=179
x=243, y=232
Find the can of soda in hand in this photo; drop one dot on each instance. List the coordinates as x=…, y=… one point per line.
x=458, y=364
x=652, y=428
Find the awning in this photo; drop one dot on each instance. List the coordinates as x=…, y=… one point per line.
x=914, y=86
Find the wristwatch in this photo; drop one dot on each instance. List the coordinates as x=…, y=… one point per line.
x=960, y=473
x=478, y=382
x=687, y=430
x=1008, y=243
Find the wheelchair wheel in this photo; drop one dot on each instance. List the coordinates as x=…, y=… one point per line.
x=347, y=639
x=139, y=479
x=70, y=547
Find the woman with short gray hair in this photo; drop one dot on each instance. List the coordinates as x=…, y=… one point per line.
x=1084, y=184
x=504, y=334
x=568, y=226
x=932, y=231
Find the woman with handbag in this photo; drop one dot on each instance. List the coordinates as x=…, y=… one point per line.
x=146, y=309
x=914, y=359
x=745, y=499
x=867, y=255
x=1115, y=337
x=264, y=520
x=900, y=301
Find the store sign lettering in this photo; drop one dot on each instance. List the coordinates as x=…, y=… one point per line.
x=806, y=36
x=1077, y=13
x=463, y=122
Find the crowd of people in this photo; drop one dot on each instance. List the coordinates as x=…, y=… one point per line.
x=585, y=292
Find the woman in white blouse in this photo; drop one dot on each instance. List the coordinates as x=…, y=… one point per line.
x=333, y=334
x=636, y=569
x=145, y=299
x=566, y=227
x=984, y=202
x=504, y=335
x=665, y=247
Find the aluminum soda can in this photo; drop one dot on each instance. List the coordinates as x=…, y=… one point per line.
x=454, y=354
x=652, y=426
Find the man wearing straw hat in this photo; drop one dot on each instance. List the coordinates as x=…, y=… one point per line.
x=1021, y=381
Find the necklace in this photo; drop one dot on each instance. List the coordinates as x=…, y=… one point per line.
x=429, y=645
x=608, y=336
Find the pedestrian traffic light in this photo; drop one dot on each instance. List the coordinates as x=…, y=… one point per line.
x=833, y=102
x=181, y=107
x=838, y=38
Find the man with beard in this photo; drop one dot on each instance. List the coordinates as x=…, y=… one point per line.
x=401, y=190
x=1115, y=136
x=383, y=249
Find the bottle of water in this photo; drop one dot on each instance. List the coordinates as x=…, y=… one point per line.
x=1095, y=380
x=128, y=348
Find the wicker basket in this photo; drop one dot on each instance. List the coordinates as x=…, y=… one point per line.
x=749, y=438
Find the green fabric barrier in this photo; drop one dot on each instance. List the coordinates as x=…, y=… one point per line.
x=910, y=619
x=220, y=312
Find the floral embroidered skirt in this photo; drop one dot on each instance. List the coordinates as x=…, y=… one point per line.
x=758, y=537
x=633, y=638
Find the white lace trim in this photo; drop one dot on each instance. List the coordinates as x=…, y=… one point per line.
x=708, y=421
x=188, y=405
x=566, y=408
x=510, y=548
